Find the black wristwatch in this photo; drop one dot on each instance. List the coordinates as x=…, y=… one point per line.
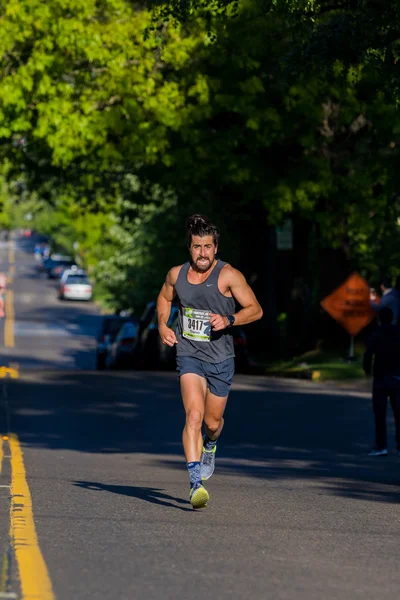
x=231, y=320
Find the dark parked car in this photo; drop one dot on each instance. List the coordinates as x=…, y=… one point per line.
x=58, y=268
x=147, y=347
x=120, y=353
x=144, y=322
x=56, y=265
x=167, y=354
x=110, y=326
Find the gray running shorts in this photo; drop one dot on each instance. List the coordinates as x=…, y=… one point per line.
x=218, y=375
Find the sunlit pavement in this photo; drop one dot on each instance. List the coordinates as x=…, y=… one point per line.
x=297, y=510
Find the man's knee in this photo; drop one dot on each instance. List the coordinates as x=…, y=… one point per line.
x=213, y=425
x=194, y=419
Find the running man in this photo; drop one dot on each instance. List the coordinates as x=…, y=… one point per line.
x=207, y=289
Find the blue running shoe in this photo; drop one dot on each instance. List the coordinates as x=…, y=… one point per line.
x=207, y=463
x=199, y=497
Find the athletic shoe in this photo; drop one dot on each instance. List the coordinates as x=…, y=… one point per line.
x=199, y=497
x=378, y=452
x=207, y=463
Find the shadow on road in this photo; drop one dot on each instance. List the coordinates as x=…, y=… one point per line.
x=152, y=495
x=277, y=432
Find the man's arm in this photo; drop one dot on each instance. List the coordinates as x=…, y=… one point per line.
x=164, y=302
x=244, y=295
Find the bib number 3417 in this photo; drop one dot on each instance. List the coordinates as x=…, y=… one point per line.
x=196, y=325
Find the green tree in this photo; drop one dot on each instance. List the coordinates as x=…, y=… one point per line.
x=116, y=133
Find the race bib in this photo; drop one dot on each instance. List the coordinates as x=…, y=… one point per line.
x=196, y=325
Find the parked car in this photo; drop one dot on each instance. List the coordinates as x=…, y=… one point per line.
x=74, y=270
x=148, y=344
x=147, y=316
x=109, y=328
x=120, y=352
x=59, y=267
x=76, y=286
x=144, y=322
x=56, y=265
x=167, y=354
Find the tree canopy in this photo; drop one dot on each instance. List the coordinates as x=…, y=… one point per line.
x=117, y=120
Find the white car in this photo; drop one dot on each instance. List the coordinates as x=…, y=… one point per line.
x=75, y=286
x=71, y=271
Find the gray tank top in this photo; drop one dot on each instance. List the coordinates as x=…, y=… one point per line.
x=194, y=334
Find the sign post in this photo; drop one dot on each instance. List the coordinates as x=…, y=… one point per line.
x=351, y=356
x=350, y=306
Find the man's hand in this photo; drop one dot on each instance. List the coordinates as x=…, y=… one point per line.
x=218, y=322
x=168, y=336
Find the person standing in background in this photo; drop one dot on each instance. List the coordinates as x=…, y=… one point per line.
x=390, y=299
x=383, y=348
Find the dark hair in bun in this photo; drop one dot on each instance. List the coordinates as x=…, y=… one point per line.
x=200, y=225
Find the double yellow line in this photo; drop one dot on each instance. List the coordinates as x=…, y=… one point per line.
x=33, y=574
x=9, y=338
x=34, y=577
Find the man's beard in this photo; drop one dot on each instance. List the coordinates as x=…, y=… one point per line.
x=203, y=268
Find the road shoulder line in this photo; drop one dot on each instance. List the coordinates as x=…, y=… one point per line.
x=34, y=577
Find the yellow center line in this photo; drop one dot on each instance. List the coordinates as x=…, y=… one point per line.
x=4, y=576
x=33, y=574
x=12, y=371
x=11, y=274
x=9, y=339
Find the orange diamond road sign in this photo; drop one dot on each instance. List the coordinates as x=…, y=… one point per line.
x=350, y=304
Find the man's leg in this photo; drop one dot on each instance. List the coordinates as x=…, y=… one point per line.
x=219, y=380
x=213, y=424
x=193, y=389
x=379, y=400
x=213, y=415
x=395, y=403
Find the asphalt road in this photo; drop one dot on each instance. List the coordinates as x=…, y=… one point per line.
x=297, y=511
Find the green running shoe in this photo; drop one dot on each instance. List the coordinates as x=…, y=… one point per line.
x=207, y=463
x=199, y=497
